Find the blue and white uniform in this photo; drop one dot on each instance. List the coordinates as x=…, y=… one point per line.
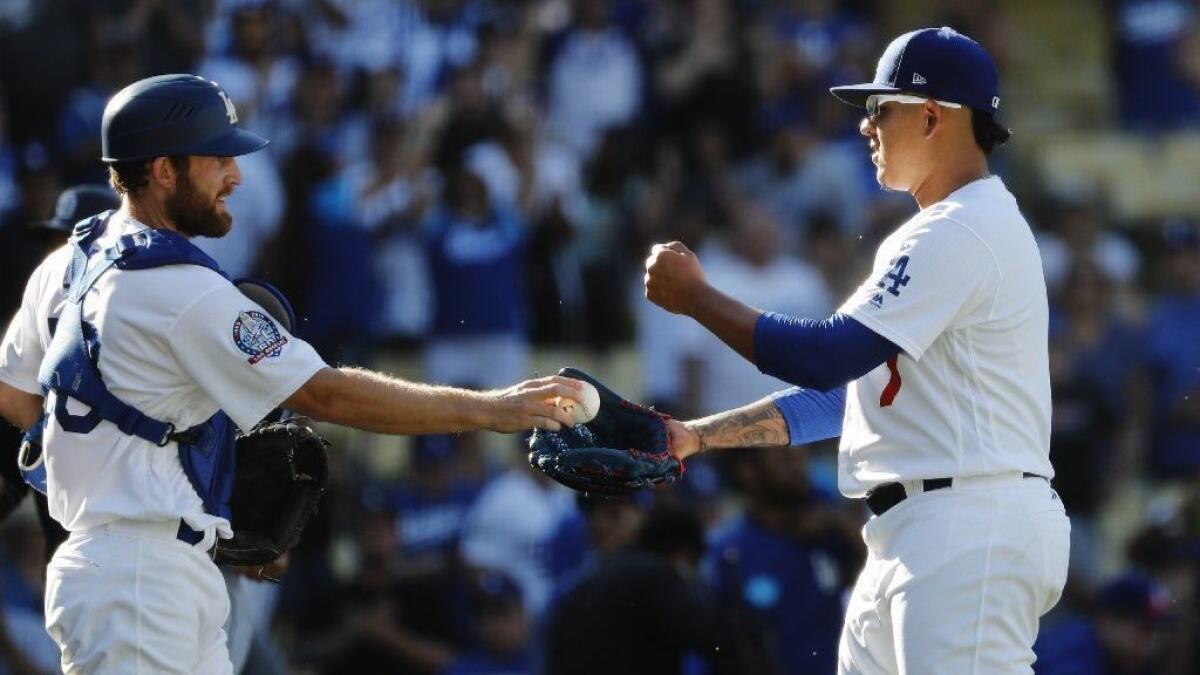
x=128, y=592
x=956, y=576
x=959, y=289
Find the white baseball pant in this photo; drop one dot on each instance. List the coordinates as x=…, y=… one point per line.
x=130, y=598
x=956, y=580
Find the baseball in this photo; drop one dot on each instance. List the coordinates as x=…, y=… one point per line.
x=583, y=410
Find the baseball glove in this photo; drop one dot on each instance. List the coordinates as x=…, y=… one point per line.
x=282, y=471
x=625, y=448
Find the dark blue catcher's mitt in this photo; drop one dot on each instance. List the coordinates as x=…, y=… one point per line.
x=625, y=448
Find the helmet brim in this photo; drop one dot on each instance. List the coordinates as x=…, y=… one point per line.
x=233, y=143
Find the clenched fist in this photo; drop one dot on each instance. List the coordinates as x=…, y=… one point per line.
x=674, y=278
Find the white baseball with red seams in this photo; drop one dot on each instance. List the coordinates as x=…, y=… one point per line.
x=585, y=408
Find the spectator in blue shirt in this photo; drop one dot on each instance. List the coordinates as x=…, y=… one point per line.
x=1158, y=79
x=642, y=611
x=501, y=629
x=786, y=561
x=1093, y=413
x=1173, y=357
x=1126, y=636
x=431, y=503
x=476, y=260
x=595, y=530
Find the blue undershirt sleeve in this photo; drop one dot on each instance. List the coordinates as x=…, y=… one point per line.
x=811, y=415
x=818, y=354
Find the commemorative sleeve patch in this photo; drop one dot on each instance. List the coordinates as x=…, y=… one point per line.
x=256, y=334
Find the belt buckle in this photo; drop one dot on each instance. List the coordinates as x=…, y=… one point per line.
x=167, y=434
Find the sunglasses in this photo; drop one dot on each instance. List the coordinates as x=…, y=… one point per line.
x=875, y=102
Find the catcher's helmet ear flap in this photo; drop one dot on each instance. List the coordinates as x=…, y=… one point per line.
x=173, y=115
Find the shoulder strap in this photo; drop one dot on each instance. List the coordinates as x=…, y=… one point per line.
x=72, y=356
x=156, y=248
x=82, y=236
x=138, y=251
x=89, y=229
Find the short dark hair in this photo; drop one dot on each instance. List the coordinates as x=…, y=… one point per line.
x=989, y=134
x=129, y=177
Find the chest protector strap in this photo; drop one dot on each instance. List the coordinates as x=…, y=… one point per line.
x=70, y=368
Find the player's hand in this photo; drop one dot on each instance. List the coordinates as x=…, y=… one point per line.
x=685, y=442
x=674, y=278
x=530, y=404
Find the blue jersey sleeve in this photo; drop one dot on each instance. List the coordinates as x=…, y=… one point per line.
x=811, y=415
x=818, y=354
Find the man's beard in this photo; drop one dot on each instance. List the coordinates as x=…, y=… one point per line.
x=194, y=215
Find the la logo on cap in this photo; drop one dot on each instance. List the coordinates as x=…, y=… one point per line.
x=230, y=111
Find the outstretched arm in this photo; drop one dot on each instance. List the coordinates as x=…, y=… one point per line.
x=791, y=417
x=378, y=403
x=756, y=425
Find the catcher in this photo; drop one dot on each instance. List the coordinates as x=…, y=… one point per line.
x=281, y=473
x=133, y=363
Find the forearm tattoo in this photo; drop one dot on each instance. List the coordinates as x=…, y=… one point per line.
x=756, y=425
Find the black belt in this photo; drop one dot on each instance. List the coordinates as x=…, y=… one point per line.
x=883, y=497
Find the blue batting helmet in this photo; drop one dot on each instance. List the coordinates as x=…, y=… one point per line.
x=173, y=115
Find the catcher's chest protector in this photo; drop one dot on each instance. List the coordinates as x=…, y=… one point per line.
x=70, y=368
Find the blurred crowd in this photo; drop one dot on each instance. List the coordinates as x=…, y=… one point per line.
x=466, y=182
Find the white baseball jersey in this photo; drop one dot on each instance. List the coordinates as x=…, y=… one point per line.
x=178, y=343
x=959, y=288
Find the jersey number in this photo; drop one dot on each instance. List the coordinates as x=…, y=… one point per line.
x=896, y=276
x=893, y=385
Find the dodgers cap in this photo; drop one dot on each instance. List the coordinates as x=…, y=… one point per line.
x=940, y=63
x=79, y=202
x=1136, y=596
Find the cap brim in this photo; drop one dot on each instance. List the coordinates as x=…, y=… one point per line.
x=856, y=94
x=233, y=143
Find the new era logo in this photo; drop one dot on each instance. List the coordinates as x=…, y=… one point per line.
x=918, y=78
